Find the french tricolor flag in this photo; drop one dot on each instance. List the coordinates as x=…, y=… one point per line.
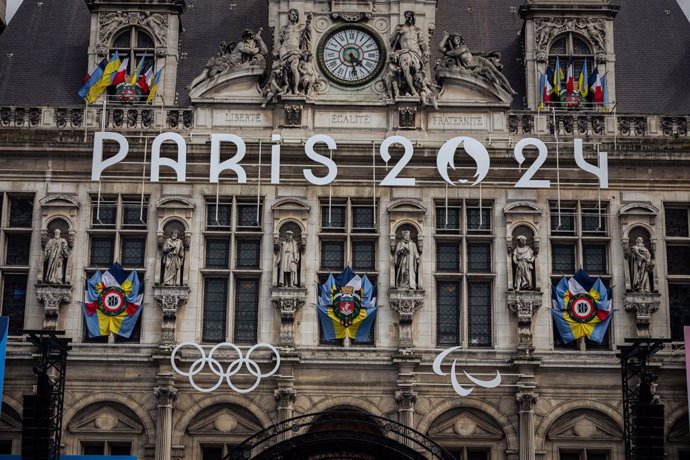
x=119, y=76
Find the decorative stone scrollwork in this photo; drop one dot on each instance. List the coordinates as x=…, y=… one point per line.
x=293, y=116
x=288, y=301
x=546, y=29
x=406, y=303
x=285, y=397
x=165, y=395
x=351, y=17
x=642, y=305
x=526, y=401
x=406, y=399
x=407, y=117
x=110, y=23
x=629, y=125
x=170, y=299
x=52, y=297
x=524, y=304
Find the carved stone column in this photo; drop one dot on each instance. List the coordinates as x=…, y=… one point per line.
x=53, y=296
x=285, y=396
x=170, y=299
x=406, y=303
x=524, y=304
x=643, y=305
x=287, y=301
x=165, y=393
x=526, y=399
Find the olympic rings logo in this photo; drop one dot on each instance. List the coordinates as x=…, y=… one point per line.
x=225, y=373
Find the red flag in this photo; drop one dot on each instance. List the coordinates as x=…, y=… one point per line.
x=121, y=73
x=570, y=82
x=144, y=79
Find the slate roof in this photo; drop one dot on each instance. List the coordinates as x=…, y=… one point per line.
x=43, y=51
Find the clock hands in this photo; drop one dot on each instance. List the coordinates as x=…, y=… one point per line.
x=355, y=62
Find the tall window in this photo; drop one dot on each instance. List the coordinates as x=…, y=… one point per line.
x=349, y=230
x=232, y=270
x=464, y=274
x=118, y=231
x=583, y=455
x=135, y=44
x=15, y=243
x=678, y=267
x=566, y=48
x=580, y=239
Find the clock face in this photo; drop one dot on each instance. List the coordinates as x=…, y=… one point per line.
x=351, y=55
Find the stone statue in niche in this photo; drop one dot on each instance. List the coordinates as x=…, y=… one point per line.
x=641, y=263
x=173, y=258
x=55, y=256
x=288, y=261
x=250, y=51
x=523, y=265
x=407, y=71
x=406, y=262
x=458, y=58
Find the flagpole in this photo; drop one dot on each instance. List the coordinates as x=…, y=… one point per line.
x=85, y=120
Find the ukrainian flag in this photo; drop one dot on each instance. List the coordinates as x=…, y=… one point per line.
x=106, y=80
x=113, y=302
x=581, y=307
x=347, y=306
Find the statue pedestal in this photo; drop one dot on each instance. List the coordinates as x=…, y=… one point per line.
x=170, y=299
x=53, y=296
x=406, y=303
x=287, y=300
x=524, y=304
x=643, y=305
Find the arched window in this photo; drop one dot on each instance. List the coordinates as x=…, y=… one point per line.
x=135, y=44
x=566, y=49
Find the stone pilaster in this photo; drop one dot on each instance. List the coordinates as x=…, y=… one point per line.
x=285, y=396
x=53, y=297
x=524, y=304
x=643, y=305
x=526, y=399
x=165, y=394
x=170, y=299
x=406, y=303
x=288, y=301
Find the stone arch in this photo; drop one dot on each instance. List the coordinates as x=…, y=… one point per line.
x=292, y=204
x=13, y=404
x=353, y=402
x=175, y=201
x=569, y=406
x=636, y=207
x=171, y=219
x=523, y=223
x=587, y=40
x=672, y=418
x=143, y=414
x=288, y=221
x=646, y=227
x=407, y=205
x=535, y=208
x=450, y=404
x=183, y=422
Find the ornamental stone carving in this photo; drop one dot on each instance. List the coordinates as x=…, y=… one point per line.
x=523, y=258
x=53, y=297
x=165, y=394
x=524, y=304
x=170, y=299
x=546, y=29
x=406, y=303
x=642, y=305
x=55, y=255
x=640, y=265
x=288, y=300
x=406, y=257
x=111, y=23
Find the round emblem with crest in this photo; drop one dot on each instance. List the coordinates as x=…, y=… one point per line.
x=111, y=301
x=347, y=304
x=582, y=308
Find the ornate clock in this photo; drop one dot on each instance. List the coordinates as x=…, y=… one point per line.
x=351, y=55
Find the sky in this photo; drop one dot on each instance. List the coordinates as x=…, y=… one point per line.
x=12, y=6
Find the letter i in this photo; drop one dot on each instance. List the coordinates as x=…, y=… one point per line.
x=275, y=159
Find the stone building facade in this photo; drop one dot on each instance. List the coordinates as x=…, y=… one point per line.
x=387, y=172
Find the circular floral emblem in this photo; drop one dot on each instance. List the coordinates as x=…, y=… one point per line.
x=111, y=301
x=582, y=308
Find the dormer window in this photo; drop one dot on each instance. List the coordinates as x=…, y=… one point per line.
x=135, y=44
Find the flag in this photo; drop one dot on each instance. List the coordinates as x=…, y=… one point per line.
x=154, y=87
x=144, y=81
x=92, y=78
x=581, y=307
x=557, y=90
x=598, y=89
x=605, y=93
x=106, y=80
x=4, y=326
x=592, y=82
x=121, y=73
x=112, y=302
x=140, y=68
x=570, y=81
x=582, y=81
x=543, y=96
x=347, y=306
